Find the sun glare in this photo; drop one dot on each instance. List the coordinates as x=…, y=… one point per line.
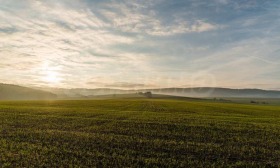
x=52, y=77
x=50, y=74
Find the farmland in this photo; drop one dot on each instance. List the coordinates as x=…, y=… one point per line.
x=138, y=132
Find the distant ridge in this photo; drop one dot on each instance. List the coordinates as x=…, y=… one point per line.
x=83, y=93
x=14, y=92
x=199, y=92
x=218, y=92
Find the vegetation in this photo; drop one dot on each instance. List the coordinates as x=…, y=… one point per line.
x=138, y=133
x=146, y=94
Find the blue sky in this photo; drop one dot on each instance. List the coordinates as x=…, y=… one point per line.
x=140, y=44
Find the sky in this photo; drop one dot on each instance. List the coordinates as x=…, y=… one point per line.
x=140, y=44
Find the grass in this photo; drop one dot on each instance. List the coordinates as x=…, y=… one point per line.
x=138, y=133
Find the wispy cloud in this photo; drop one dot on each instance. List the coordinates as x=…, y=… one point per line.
x=138, y=18
x=139, y=43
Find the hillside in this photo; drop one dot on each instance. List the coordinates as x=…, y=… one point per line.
x=14, y=92
x=18, y=92
x=84, y=93
x=218, y=92
x=202, y=92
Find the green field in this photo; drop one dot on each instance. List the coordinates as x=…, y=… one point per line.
x=138, y=133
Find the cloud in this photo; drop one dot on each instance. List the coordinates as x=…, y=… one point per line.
x=129, y=85
x=126, y=85
x=59, y=35
x=128, y=17
x=133, y=43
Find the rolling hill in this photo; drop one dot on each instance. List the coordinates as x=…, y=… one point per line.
x=14, y=92
x=201, y=92
x=218, y=92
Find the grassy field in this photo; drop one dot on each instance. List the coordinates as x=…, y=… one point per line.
x=138, y=133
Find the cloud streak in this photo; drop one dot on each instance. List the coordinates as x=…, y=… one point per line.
x=139, y=43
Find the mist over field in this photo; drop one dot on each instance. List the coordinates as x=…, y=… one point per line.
x=14, y=92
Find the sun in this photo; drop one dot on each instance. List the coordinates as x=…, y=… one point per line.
x=52, y=77
x=50, y=74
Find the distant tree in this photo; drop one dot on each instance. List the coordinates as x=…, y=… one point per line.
x=140, y=93
x=148, y=94
x=254, y=102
